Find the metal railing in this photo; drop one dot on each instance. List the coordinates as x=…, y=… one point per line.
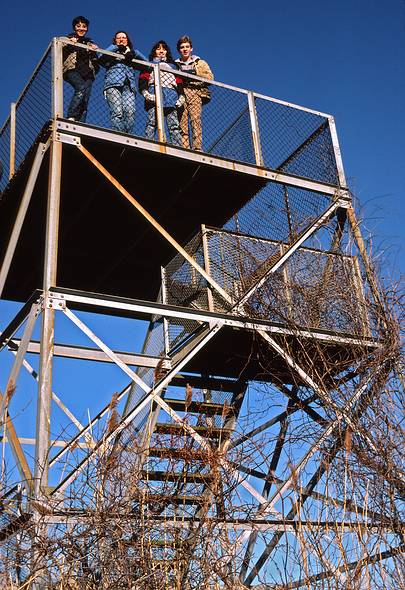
x=315, y=289
x=237, y=124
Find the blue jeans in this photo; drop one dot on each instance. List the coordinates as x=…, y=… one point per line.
x=172, y=125
x=121, y=101
x=82, y=89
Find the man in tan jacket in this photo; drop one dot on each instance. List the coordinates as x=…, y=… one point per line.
x=196, y=93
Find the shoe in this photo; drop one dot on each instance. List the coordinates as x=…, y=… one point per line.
x=71, y=119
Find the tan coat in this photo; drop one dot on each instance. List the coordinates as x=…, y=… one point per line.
x=203, y=69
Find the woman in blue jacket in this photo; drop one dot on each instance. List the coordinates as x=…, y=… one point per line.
x=120, y=83
x=172, y=93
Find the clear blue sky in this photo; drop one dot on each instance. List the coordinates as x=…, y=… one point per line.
x=345, y=58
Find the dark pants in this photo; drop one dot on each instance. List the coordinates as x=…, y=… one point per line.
x=82, y=89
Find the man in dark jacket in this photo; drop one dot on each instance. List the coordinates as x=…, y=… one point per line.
x=79, y=68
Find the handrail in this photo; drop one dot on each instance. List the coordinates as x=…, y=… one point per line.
x=200, y=79
x=238, y=124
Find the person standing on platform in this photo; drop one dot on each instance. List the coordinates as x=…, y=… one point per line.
x=196, y=93
x=172, y=93
x=120, y=82
x=80, y=67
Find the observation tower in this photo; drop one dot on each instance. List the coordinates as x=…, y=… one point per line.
x=243, y=444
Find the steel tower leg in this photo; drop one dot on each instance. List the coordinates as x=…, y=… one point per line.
x=48, y=319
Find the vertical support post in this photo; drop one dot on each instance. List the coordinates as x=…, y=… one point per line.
x=354, y=225
x=12, y=139
x=254, y=127
x=291, y=233
x=358, y=285
x=337, y=152
x=286, y=279
x=57, y=79
x=47, y=331
x=165, y=321
x=207, y=266
x=160, y=120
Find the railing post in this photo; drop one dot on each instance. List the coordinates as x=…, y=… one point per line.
x=337, y=153
x=12, y=139
x=57, y=78
x=207, y=265
x=254, y=126
x=160, y=120
x=166, y=334
x=286, y=281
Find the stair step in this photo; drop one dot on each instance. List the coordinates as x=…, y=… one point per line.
x=172, y=499
x=179, y=453
x=176, y=476
x=206, y=431
x=207, y=408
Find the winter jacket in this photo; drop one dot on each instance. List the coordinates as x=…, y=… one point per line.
x=120, y=72
x=83, y=61
x=172, y=87
x=197, y=67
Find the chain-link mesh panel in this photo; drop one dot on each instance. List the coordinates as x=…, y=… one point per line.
x=296, y=141
x=313, y=289
x=293, y=140
x=236, y=260
x=34, y=108
x=4, y=155
x=225, y=121
x=279, y=212
x=154, y=346
x=226, y=126
x=185, y=286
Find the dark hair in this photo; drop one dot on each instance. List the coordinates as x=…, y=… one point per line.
x=80, y=19
x=184, y=39
x=169, y=56
x=127, y=36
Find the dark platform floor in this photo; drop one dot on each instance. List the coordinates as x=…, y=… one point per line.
x=104, y=243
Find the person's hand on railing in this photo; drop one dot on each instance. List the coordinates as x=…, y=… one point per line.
x=148, y=96
x=180, y=101
x=82, y=40
x=129, y=56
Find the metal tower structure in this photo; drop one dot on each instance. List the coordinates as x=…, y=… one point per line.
x=246, y=443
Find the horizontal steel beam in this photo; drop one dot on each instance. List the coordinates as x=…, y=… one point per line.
x=54, y=443
x=286, y=525
x=70, y=133
x=93, y=354
x=102, y=304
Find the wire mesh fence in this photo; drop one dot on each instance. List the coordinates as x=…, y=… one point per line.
x=296, y=141
x=279, y=212
x=314, y=288
x=293, y=140
x=5, y=138
x=33, y=110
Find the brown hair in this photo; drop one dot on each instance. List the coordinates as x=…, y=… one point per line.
x=184, y=39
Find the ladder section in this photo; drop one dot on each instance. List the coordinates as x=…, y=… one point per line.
x=181, y=481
